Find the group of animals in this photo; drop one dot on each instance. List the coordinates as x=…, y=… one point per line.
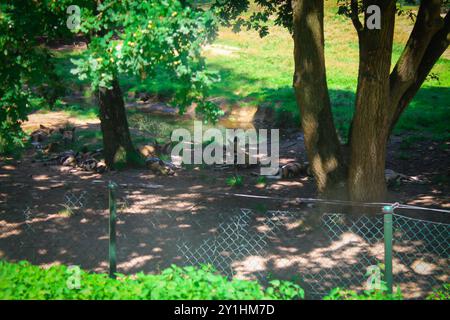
x=151, y=154
x=293, y=170
x=46, y=140
x=84, y=160
x=91, y=161
x=287, y=171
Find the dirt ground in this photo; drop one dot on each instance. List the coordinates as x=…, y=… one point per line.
x=164, y=220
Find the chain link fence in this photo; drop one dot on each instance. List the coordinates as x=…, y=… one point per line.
x=260, y=242
x=421, y=252
x=341, y=250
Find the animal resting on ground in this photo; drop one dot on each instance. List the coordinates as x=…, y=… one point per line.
x=160, y=167
x=86, y=161
x=68, y=135
x=44, y=133
x=155, y=150
x=92, y=161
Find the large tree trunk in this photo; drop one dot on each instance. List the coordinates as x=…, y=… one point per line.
x=381, y=96
x=321, y=140
x=114, y=125
x=372, y=118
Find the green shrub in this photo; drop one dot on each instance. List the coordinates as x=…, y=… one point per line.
x=25, y=281
x=344, y=294
x=235, y=181
x=442, y=293
x=262, y=180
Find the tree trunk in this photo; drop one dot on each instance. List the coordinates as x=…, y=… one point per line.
x=310, y=84
x=381, y=96
x=114, y=125
x=372, y=118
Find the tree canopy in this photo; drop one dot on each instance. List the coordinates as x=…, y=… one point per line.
x=140, y=38
x=143, y=38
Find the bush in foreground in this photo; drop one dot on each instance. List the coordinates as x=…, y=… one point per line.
x=25, y=281
x=442, y=293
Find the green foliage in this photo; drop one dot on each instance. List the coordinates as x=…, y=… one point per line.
x=27, y=74
x=232, y=13
x=156, y=126
x=23, y=65
x=261, y=180
x=380, y=293
x=145, y=38
x=235, y=181
x=24, y=281
x=248, y=75
x=442, y=293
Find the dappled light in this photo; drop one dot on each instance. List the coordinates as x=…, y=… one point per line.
x=351, y=122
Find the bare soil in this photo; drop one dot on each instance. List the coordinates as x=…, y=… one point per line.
x=159, y=214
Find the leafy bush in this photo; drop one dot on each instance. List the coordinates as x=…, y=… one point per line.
x=25, y=281
x=343, y=294
x=442, y=293
x=235, y=181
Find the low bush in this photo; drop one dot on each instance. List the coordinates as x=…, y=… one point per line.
x=25, y=281
x=442, y=293
x=344, y=294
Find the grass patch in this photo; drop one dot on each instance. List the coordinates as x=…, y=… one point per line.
x=257, y=71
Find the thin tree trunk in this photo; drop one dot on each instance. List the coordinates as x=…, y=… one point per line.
x=321, y=139
x=114, y=125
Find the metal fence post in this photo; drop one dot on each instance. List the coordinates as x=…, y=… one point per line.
x=112, y=229
x=387, y=211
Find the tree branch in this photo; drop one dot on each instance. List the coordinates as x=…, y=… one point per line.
x=354, y=16
x=405, y=71
x=437, y=46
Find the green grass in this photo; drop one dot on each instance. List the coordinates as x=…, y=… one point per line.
x=257, y=71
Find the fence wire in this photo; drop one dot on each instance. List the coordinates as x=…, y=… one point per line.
x=251, y=244
x=240, y=243
x=421, y=252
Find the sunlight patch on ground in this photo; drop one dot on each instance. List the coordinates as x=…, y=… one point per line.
x=136, y=262
x=40, y=177
x=55, y=119
x=9, y=229
x=251, y=264
x=8, y=167
x=220, y=50
x=426, y=200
